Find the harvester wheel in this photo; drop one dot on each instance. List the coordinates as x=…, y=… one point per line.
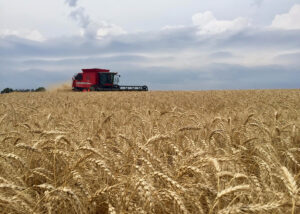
x=92, y=88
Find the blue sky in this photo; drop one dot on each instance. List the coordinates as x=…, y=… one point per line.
x=168, y=45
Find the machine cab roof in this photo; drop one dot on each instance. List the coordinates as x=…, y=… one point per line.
x=88, y=70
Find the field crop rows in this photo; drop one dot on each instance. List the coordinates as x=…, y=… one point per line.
x=150, y=152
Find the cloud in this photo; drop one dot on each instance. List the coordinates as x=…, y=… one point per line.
x=271, y=41
x=288, y=21
x=106, y=29
x=173, y=27
x=221, y=55
x=101, y=30
x=71, y=3
x=33, y=35
x=94, y=29
x=289, y=58
x=257, y=2
x=81, y=17
x=208, y=24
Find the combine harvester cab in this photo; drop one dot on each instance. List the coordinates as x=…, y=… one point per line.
x=97, y=79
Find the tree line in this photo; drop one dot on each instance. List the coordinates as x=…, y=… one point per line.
x=9, y=90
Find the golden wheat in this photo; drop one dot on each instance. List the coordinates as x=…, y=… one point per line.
x=153, y=152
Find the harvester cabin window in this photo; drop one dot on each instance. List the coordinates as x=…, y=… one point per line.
x=106, y=79
x=78, y=77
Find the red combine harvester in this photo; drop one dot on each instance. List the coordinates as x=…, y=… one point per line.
x=96, y=79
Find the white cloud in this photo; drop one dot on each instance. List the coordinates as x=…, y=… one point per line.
x=33, y=35
x=208, y=24
x=101, y=30
x=92, y=28
x=288, y=21
x=109, y=30
x=173, y=27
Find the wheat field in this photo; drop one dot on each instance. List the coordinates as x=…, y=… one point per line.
x=150, y=152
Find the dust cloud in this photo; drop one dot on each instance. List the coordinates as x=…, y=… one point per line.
x=60, y=87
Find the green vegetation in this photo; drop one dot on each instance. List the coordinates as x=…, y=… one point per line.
x=9, y=90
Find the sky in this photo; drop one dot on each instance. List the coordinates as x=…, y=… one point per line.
x=165, y=44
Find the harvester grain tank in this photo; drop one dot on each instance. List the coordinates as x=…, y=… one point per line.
x=96, y=79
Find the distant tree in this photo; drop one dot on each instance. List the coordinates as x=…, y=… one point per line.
x=40, y=89
x=6, y=90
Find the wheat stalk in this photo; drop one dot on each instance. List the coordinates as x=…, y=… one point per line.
x=291, y=185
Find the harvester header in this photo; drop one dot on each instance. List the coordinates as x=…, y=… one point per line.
x=96, y=79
